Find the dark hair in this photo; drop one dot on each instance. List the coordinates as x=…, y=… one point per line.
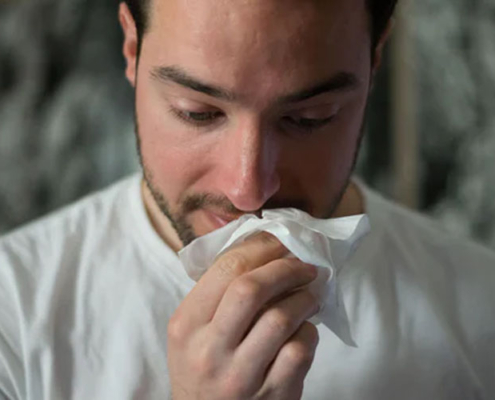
x=380, y=11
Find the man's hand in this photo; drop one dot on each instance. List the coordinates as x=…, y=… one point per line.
x=242, y=332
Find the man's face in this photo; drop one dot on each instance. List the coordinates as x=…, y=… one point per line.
x=243, y=105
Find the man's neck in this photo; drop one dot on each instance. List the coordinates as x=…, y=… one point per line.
x=352, y=202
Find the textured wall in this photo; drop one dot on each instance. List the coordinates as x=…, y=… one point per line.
x=66, y=110
x=456, y=69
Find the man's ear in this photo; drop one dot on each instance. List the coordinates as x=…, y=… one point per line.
x=130, y=47
x=378, y=52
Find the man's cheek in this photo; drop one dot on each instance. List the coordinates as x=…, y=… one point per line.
x=175, y=172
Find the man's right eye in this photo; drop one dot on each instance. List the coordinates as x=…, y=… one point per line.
x=197, y=118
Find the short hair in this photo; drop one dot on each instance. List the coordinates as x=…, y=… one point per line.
x=381, y=12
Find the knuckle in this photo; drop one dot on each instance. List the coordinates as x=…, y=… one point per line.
x=247, y=289
x=311, y=333
x=232, y=264
x=235, y=386
x=298, y=354
x=203, y=364
x=278, y=321
x=176, y=329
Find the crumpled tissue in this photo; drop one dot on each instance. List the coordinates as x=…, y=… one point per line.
x=325, y=243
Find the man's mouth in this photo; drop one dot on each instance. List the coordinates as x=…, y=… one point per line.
x=219, y=220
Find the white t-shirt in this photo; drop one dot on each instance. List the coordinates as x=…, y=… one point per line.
x=86, y=294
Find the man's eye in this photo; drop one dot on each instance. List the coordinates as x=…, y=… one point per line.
x=308, y=123
x=197, y=118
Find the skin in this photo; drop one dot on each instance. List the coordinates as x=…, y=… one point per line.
x=239, y=333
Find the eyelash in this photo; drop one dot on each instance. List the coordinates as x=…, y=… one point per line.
x=202, y=119
x=197, y=119
x=308, y=123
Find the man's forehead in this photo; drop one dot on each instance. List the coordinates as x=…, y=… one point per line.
x=248, y=48
x=266, y=25
x=274, y=10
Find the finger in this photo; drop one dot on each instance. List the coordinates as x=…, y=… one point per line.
x=285, y=378
x=201, y=303
x=248, y=294
x=273, y=328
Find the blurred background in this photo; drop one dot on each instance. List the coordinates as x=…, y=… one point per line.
x=66, y=111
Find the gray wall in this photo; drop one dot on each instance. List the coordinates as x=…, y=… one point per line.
x=65, y=108
x=456, y=67
x=66, y=124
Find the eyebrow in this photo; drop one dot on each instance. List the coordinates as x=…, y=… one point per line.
x=340, y=82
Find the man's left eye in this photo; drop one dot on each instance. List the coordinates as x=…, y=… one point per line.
x=308, y=123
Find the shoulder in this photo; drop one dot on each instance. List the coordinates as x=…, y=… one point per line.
x=93, y=212
x=453, y=275
x=40, y=266
x=424, y=238
x=37, y=252
x=445, y=284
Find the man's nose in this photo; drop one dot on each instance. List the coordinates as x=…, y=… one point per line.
x=248, y=167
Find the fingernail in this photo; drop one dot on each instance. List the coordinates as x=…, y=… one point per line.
x=313, y=270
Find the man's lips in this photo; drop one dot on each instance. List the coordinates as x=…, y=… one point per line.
x=219, y=220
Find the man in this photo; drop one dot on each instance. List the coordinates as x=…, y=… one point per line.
x=243, y=105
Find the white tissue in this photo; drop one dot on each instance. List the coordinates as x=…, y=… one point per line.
x=326, y=244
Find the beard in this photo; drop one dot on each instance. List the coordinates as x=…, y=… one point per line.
x=193, y=202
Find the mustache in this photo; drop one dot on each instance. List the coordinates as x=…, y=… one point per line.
x=200, y=201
